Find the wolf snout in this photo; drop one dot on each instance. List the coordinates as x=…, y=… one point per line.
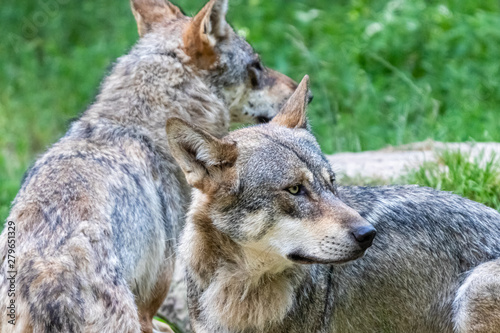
x=364, y=236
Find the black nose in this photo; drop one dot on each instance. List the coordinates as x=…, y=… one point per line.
x=364, y=236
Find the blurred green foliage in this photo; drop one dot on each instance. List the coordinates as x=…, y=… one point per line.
x=383, y=72
x=474, y=178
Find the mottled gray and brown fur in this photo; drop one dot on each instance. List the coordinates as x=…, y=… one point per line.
x=98, y=215
x=273, y=245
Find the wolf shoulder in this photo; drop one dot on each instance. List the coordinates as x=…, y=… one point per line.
x=101, y=170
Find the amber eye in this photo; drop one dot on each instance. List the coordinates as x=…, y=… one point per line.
x=294, y=189
x=257, y=65
x=255, y=71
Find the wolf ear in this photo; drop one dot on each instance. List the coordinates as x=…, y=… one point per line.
x=205, y=30
x=201, y=156
x=293, y=113
x=148, y=12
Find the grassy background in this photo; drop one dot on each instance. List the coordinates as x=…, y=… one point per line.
x=475, y=178
x=383, y=72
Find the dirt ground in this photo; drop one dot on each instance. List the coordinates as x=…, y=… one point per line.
x=391, y=162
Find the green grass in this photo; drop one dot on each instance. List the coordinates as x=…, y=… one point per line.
x=477, y=179
x=171, y=325
x=383, y=72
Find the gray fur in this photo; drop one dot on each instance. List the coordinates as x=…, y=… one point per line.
x=432, y=267
x=98, y=215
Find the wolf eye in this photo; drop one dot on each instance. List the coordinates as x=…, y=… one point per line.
x=254, y=71
x=257, y=65
x=254, y=77
x=296, y=189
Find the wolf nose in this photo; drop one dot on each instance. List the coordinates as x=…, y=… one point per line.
x=364, y=236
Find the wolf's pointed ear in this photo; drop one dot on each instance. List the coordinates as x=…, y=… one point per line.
x=202, y=157
x=148, y=12
x=205, y=30
x=293, y=113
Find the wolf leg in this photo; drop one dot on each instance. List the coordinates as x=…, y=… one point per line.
x=175, y=308
x=477, y=304
x=149, y=307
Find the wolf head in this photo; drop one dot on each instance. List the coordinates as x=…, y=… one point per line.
x=215, y=53
x=270, y=189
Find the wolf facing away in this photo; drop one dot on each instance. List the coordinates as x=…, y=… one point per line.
x=98, y=215
x=271, y=244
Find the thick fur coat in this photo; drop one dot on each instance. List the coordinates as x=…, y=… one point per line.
x=98, y=215
x=273, y=245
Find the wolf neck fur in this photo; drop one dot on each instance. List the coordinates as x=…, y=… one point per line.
x=239, y=285
x=145, y=88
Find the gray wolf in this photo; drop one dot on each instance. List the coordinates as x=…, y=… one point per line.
x=98, y=215
x=271, y=243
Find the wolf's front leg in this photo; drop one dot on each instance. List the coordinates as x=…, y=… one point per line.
x=148, y=305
